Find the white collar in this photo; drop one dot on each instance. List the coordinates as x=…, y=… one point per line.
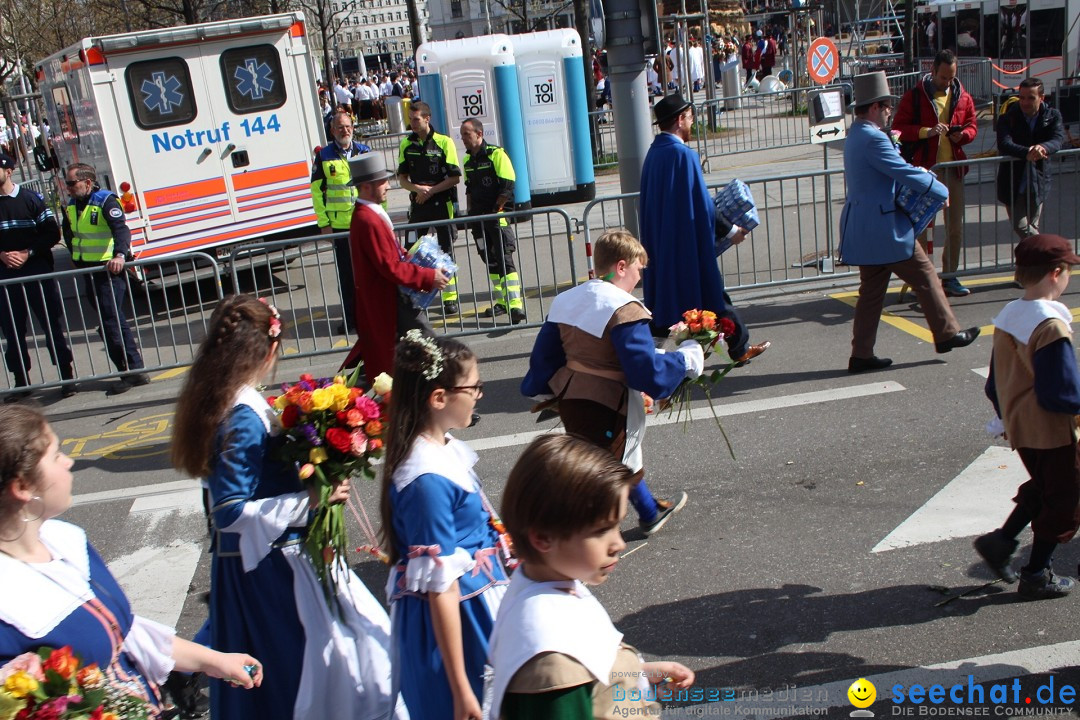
x=250, y=397
x=589, y=306
x=47, y=592
x=15, y=192
x=523, y=630
x=454, y=461
x=1020, y=317
x=379, y=210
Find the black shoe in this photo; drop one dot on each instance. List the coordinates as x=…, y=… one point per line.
x=517, y=316
x=69, y=390
x=667, y=509
x=959, y=340
x=858, y=365
x=119, y=388
x=474, y=420
x=450, y=307
x=135, y=379
x=996, y=550
x=1043, y=585
x=493, y=311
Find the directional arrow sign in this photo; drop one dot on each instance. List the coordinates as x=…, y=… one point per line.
x=827, y=132
x=832, y=131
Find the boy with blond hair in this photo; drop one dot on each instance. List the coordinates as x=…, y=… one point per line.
x=595, y=356
x=1034, y=384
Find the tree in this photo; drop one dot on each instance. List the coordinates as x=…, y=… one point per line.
x=328, y=18
x=532, y=15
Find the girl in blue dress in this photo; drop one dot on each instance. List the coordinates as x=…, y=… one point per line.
x=439, y=531
x=264, y=593
x=58, y=592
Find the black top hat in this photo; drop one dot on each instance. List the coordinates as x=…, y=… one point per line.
x=871, y=88
x=369, y=167
x=668, y=107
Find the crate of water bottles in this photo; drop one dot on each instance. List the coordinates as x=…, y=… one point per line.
x=426, y=253
x=735, y=205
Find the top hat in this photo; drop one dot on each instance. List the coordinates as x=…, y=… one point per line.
x=1045, y=250
x=369, y=167
x=871, y=88
x=668, y=107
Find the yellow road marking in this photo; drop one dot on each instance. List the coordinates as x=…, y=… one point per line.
x=913, y=328
x=136, y=438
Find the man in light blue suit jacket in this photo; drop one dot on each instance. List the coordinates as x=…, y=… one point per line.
x=879, y=237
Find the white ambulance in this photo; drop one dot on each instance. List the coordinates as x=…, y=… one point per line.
x=206, y=132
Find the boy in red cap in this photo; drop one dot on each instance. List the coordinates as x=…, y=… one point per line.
x=1034, y=384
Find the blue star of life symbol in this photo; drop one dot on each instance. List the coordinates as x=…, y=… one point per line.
x=254, y=79
x=162, y=93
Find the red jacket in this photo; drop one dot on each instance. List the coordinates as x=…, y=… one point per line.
x=378, y=268
x=749, y=57
x=962, y=112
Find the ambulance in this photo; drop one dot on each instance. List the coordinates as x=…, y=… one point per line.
x=205, y=132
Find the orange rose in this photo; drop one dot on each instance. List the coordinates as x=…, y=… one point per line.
x=695, y=327
x=374, y=444
x=354, y=418
x=373, y=429
x=63, y=662
x=91, y=677
x=304, y=401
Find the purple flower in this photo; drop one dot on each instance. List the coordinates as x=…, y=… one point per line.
x=312, y=435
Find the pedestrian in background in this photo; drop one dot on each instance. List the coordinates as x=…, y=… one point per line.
x=97, y=236
x=1034, y=384
x=1030, y=131
x=28, y=232
x=937, y=118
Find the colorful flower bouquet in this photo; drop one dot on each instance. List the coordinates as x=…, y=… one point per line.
x=703, y=327
x=53, y=685
x=333, y=431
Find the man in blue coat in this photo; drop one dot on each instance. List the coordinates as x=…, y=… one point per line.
x=879, y=237
x=677, y=227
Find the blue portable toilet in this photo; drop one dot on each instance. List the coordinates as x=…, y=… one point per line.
x=554, y=104
x=475, y=78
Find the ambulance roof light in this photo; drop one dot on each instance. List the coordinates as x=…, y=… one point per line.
x=298, y=29
x=92, y=55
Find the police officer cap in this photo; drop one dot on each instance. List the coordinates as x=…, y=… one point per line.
x=6, y=162
x=369, y=167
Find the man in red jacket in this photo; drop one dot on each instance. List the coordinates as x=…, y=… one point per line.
x=379, y=266
x=939, y=116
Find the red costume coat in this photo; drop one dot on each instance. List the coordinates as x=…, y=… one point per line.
x=378, y=266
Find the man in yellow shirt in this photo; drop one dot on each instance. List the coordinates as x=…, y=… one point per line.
x=936, y=118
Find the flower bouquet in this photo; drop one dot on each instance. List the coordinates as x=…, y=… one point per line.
x=703, y=327
x=332, y=430
x=53, y=685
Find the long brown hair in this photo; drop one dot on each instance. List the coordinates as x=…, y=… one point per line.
x=232, y=354
x=409, y=411
x=24, y=438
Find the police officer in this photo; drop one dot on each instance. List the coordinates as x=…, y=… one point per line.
x=428, y=169
x=489, y=186
x=28, y=232
x=333, y=198
x=98, y=237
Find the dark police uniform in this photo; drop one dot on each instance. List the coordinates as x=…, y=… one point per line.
x=489, y=187
x=428, y=162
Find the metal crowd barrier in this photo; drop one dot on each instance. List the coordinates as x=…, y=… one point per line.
x=303, y=279
x=388, y=145
x=975, y=75
x=167, y=312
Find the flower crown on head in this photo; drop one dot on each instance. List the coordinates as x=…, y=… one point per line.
x=275, y=319
x=432, y=364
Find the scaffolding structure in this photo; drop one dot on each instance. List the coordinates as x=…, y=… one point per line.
x=874, y=35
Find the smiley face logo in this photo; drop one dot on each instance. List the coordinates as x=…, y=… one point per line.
x=862, y=693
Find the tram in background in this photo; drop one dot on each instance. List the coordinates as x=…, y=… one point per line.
x=1037, y=38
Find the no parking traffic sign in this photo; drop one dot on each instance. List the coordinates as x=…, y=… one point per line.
x=823, y=61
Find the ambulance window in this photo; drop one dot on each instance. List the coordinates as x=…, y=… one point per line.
x=161, y=93
x=253, y=78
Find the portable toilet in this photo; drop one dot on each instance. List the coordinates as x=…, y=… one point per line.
x=551, y=80
x=475, y=78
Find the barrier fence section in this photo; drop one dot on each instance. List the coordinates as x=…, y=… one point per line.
x=795, y=242
x=167, y=313
x=300, y=277
x=975, y=75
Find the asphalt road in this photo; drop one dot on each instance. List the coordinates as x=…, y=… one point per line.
x=769, y=578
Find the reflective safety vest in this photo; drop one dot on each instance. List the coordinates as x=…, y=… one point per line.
x=429, y=162
x=332, y=195
x=488, y=174
x=92, y=238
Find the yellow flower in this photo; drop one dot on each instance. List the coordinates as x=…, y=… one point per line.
x=321, y=399
x=383, y=384
x=341, y=396
x=20, y=684
x=281, y=401
x=339, y=380
x=317, y=455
